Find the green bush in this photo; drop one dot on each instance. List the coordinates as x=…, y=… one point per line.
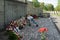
x=8, y=32
x=12, y=36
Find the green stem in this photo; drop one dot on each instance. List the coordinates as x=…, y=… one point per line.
x=43, y=37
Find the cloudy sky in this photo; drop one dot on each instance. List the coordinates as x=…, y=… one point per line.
x=54, y=2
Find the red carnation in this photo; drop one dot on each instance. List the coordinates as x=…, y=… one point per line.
x=43, y=29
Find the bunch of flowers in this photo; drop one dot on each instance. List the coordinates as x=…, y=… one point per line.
x=43, y=32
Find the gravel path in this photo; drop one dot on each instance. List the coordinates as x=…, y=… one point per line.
x=31, y=33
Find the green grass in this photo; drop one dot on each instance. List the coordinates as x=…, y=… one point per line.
x=56, y=14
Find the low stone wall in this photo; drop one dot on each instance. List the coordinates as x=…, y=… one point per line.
x=44, y=15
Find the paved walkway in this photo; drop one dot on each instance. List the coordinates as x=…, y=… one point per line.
x=31, y=33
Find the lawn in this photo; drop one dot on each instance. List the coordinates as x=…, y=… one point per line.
x=56, y=14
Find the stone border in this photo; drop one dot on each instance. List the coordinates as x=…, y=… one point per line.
x=55, y=26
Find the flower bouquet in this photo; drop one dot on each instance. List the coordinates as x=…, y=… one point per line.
x=43, y=32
